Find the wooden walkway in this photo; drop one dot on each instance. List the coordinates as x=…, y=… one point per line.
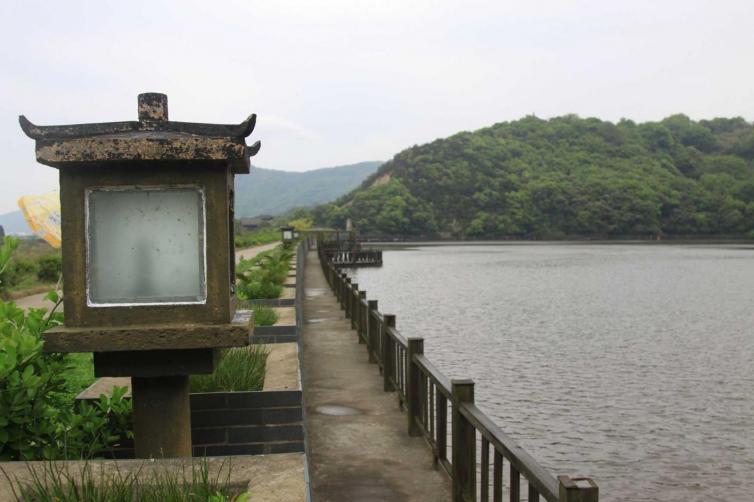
x=359, y=447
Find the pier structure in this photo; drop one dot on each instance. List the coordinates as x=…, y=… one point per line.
x=436, y=444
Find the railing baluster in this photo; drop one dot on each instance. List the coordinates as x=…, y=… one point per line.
x=515, y=490
x=497, y=477
x=441, y=432
x=533, y=494
x=485, y=468
x=431, y=410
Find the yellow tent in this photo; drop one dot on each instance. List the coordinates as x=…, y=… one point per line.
x=42, y=213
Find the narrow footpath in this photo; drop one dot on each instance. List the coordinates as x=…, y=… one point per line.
x=358, y=444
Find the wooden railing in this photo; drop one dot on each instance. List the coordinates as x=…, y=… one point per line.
x=355, y=258
x=438, y=408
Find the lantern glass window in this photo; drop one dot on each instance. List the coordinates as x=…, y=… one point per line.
x=145, y=246
x=287, y=235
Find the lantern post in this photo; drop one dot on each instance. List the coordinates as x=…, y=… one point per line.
x=148, y=256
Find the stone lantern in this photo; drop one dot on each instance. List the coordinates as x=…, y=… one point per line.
x=286, y=234
x=148, y=255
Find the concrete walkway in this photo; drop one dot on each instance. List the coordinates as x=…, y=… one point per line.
x=249, y=253
x=359, y=447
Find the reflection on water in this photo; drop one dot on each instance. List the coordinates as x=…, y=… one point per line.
x=633, y=364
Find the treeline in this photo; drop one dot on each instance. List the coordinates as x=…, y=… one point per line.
x=566, y=176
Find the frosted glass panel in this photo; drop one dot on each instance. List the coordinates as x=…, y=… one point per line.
x=146, y=246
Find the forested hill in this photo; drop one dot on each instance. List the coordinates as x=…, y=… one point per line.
x=566, y=176
x=268, y=191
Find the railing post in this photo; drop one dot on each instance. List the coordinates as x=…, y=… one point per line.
x=360, y=329
x=413, y=388
x=464, y=443
x=577, y=490
x=371, y=329
x=354, y=301
x=341, y=289
x=349, y=297
x=388, y=362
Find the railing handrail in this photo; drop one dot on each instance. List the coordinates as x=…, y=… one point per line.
x=396, y=335
x=431, y=371
x=543, y=481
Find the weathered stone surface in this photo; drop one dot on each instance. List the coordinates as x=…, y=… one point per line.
x=288, y=294
x=146, y=146
x=217, y=186
x=152, y=138
x=153, y=106
x=150, y=337
x=282, y=371
x=286, y=316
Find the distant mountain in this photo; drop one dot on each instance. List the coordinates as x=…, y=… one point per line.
x=566, y=176
x=268, y=191
x=14, y=223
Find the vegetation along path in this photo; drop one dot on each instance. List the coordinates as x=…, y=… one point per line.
x=359, y=448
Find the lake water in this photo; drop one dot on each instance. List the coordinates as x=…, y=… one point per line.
x=633, y=364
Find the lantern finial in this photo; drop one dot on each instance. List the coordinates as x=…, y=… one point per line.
x=153, y=106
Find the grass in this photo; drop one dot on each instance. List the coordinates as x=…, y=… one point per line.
x=264, y=315
x=81, y=372
x=60, y=483
x=239, y=369
x=257, y=237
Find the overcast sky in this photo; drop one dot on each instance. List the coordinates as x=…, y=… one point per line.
x=341, y=82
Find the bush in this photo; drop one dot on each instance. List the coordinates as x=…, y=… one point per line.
x=49, y=268
x=37, y=420
x=257, y=284
x=264, y=315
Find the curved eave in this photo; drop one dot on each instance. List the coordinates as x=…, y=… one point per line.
x=145, y=148
x=73, y=131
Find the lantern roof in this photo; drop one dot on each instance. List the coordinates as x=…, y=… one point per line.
x=152, y=138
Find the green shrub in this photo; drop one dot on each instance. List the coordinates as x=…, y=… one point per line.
x=239, y=369
x=37, y=418
x=61, y=483
x=257, y=284
x=264, y=315
x=49, y=268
